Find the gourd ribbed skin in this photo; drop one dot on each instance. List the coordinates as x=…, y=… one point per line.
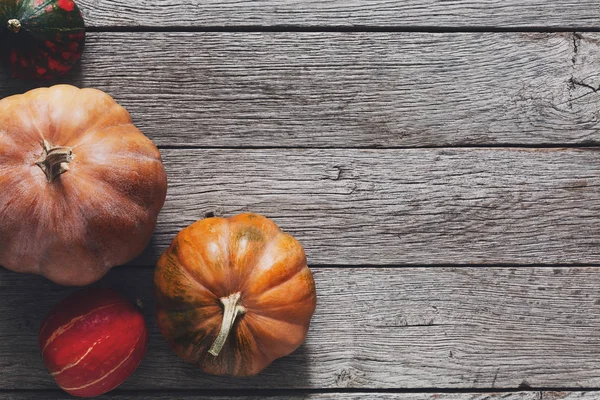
x=217, y=257
x=98, y=214
x=92, y=341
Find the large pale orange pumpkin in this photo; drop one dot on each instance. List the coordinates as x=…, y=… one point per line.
x=80, y=186
x=234, y=294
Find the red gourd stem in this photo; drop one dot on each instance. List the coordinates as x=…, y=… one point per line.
x=14, y=25
x=231, y=309
x=54, y=160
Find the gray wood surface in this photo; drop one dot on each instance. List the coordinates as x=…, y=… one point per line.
x=570, y=395
x=273, y=107
x=342, y=13
x=367, y=89
x=183, y=395
x=412, y=206
x=317, y=396
x=374, y=328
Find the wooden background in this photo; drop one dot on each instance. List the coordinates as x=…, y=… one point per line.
x=438, y=159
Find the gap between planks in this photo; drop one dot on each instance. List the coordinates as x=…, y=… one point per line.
x=344, y=29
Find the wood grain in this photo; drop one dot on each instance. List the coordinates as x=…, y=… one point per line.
x=299, y=395
x=340, y=13
x=411, y=206
x=569, y=395
x=199, y=394
x=349, y=89
x=375, y=328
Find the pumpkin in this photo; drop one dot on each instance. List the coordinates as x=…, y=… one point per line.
x=234, y=294
x=92, y=341
x=40, y=38
x=80, y=186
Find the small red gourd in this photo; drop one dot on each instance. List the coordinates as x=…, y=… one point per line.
x=40, y=38
x=234, y=294
x=92, y=341
x=80, y=186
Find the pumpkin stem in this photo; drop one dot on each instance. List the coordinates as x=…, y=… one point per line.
x=54, y=160
x=231, y=310
x=14, y=25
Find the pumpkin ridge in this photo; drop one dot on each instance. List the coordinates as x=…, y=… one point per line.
x=107, y=188
x=264, y=251
x=182, y=237
x=138, y=156
x=74, y=95
x=258, y=315
x=257, y=342
x=93, y=129
x=264, y=311
x=4, y=135
x=303, y=329
x=197, y=327
x=275, y=309
x=173, y=309
x=9, y=203
x=89, y=132
x=245, y=346
x=93, y=246
x=21, y=233
x=121, y=197
x=33, y=121
x=188, y=273
x=195, y=339
x=226, y=259
x=268, y=289
x=53, y=127
x=262, y=314
x=129, y=154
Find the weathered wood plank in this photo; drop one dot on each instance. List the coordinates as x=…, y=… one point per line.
x=341, y=13
x=570, y=395
x=298, y=395
x=320, y=396
x=349, y=89
x=374, y=328
x=412, y=206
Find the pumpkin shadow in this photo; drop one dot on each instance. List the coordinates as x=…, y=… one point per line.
x=26, y=300
x=149, y=256
x=292, y=371
x=295, y=368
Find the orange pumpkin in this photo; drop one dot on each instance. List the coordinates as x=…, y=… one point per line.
x=234, y=294
x=80, y=186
